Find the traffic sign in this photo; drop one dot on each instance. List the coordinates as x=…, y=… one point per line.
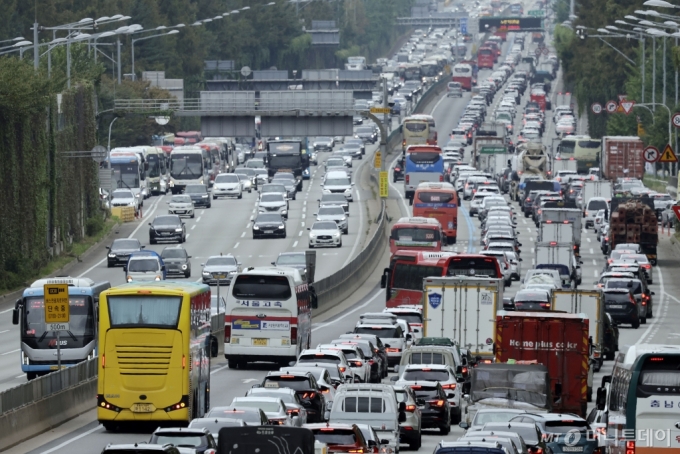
x=536, y=13
x=622, y=97
x=377, y=160
x=384, y=189
x=538, y=52
x=668, y=155
x=611, y=106
x=641, y=130
x=57, y=309
x=676, y=120
x=545, y=51
x=596, y=108
x=627, y=106
x=676, y=210
x=651, y=154
x=380, y=110
x=58, y=327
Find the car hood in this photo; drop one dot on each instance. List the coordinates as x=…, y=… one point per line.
x=262, y=224
x=226, y=185
x=220, y=268
x=123, y=200
x=272, y=204
x=124, y=251
x=322, y=232
x=181, y=205
x=337, y=186
x=166, y=226
x=198, y=196
x=333, y=217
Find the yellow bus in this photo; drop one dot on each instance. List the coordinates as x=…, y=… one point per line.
x=154, y=355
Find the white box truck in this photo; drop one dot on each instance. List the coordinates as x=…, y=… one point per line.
x=463, y=309
x=573, y=215
x=556, y=232
x=559, y=164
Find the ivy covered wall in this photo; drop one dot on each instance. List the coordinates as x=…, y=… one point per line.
x=46, y=199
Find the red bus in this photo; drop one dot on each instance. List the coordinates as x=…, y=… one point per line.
x=403, y=280
x=438, y=201
x=538, y=96
x=496, y=47
x=418, y=234
x=462, y=74
x=486, y=57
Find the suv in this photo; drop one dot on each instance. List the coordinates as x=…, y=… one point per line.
x=567, y=424
x=468, y=446
x=410, y=429
x=199, y=195
x=621, y=305
x=121, y=249
x=176, y=260
x=641, y=293
x=305, y=386
x=392, y=336
x=199, y=439
x=380, y=349
x=338, y=182
x=339, y=437
x=427, y=375
x=312, y=356
x=167, y=228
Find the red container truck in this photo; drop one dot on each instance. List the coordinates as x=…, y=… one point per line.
x=557, y=340
x=622, y=157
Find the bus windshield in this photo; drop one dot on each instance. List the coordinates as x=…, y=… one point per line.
x=413, y=126
x=464, y=266
x=436, y=198
x=408, y=276
x=262, y=287
x=81, y=320
x=127, y=175
x=148, y=311
x=154, y=165
x=187, y=166
x=424, y=157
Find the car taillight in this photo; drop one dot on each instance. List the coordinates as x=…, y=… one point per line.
x=630, y=447
x=227, y=334
x=528, y=199
x=393, y=350
x=292, y=412
x=293, y=335
x=407, y=179
x=308, y=395
x=437, y=403
x=356, y=450
x=606, y=238
x=586, y=213
x=441, y=178
x=449, y=386
x=356, y=363
x=410, y=408
x=342, y=368
x=545, y=305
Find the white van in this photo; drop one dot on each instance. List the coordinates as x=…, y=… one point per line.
x=268, y=316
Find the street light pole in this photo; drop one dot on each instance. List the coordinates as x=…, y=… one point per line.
x=171, y=32
x=118, y=64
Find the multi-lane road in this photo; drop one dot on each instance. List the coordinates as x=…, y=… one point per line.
x=225, y=228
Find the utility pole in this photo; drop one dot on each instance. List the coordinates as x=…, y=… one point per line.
x=36, y=52
x=118, y=64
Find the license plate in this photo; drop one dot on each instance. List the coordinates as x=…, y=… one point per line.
x=260, y=342
x=142, y=408
x=180, y=211
x=615, y=306
x=57, y=367
x=572, y=448
x=219, y=276
x=268, y=231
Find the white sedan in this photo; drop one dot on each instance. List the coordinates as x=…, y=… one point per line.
x=324, y=234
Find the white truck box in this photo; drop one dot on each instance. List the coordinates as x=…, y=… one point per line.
x=557, y=254
x=589, y=302
x=564, y=164
x=463, y=309
x=573, y=215
x=598, y=188
x=557, y=232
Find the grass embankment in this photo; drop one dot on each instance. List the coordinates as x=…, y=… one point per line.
x=654, y=183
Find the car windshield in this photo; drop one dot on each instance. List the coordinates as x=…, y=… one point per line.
x=143, y=265
x=332, y=437
x=291, y=259
x=335, y=162
x=180, y=199
x=426, y=375
x=640, y=258
x=286, y=397
x=227, y=178
x=125, y=244
x=181, y=440
x=276, y=197
x=289, y=381
x=221, y=261
x=167, y=220
x=331, y=211
x=616, y=298
x=384, y=332
x=269, y=217
x=195, y=189
x=337, y=182
x=245, y=171
x=173, y=253
x=325, y=225
x=634, y=285
x=265, y=406
x=566, y=426
x=495, y=416
x=122, y=195
x=423, y=392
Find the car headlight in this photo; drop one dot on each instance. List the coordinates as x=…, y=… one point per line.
x=204, y=196
x=205, y=273
x=200, y=181
x=233, y=272
x=158, y=278
x=284, y=212
x=336, y=234
x=184, y=267
x=129, y=278
x=137, y=195
x=178, y=230
x=172, y=184
x=282, y=226
x=112, y=255
x=312, y=235
x=256, y=227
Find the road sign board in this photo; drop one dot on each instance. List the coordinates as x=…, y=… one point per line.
x=627, y=106
x=622, y=97
x=676, y=120
x=98, y=153
x=668, y=155
x=596, y=108
x=57, y=309
x=640, y=130
x=58, y=327
x=536, y=13
x=676, y=210
x=611, y=106
x=537, y=52
x=377, y=161
x=384, y=189
x=651, y=154
x=545, y=51
x=380, y=110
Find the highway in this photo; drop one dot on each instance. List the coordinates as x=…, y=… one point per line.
x=225, y=228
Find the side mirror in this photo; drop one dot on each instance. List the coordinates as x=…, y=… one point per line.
x=107, y=247
x=601, y=399
x=15, y=312
x=396, y=369
x=149, y=223
x=273, y=263
x=383, y=281
x=653, y=293
x=521, y=260
x=463, y=425
x=125, y=268
x=142, y=247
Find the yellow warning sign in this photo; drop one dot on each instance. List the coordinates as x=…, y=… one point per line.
x=384, y=189
x=620, y=109
x=668, y=155
x=641, y=130
x=377, y=161
x=57, y=308
x=380, y=110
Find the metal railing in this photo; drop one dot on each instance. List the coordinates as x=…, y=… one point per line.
x=284, y=106
x=47, y=385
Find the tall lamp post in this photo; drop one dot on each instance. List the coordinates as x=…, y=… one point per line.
x=171, y=32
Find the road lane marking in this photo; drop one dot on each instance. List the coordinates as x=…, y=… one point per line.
x=11, y=309
x=594, y=262
x=193, y=227
x=323, y=325
x=587, y=238
x=657, y=316
x=249, y=380
x=300, y=234
x=68, y=442
x=591, y=250
x=248, y=225
x=4, y=331
x=295, y=244
x=243, y=234
x=10, y=352
x=198, y=219
x=219, y=369
x=236, y=245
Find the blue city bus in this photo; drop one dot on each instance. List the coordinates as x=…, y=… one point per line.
x=422, y=164
x=38, y=346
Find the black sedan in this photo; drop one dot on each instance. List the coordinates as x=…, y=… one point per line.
x=434, y=407
x=199, y=195
x=120, y=250
x=176, y=260
x=269, y=224
x=167, y=228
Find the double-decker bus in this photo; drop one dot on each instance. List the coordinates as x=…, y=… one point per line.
x=157, y=170
x=189, y=165
x=268, y=317
x=462, y=73
x=422, y=163
x=438, y=201
x=154, y=345
x=38, y=345
x=416, y=131
x=416, y=233
x=643, y=401
x=583, y=149
x=486, y=57
x=154, y=353
x=403, y=280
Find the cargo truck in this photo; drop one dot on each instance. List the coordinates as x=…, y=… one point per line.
x=560, y=257
x=622, y=157
x=559, y=164
x=507, y=385
x=556, y=340
x=555, y=232
x=530, y=162
x=463, y=309
x=633, y=220
x=552, y=212
x=588, y=302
